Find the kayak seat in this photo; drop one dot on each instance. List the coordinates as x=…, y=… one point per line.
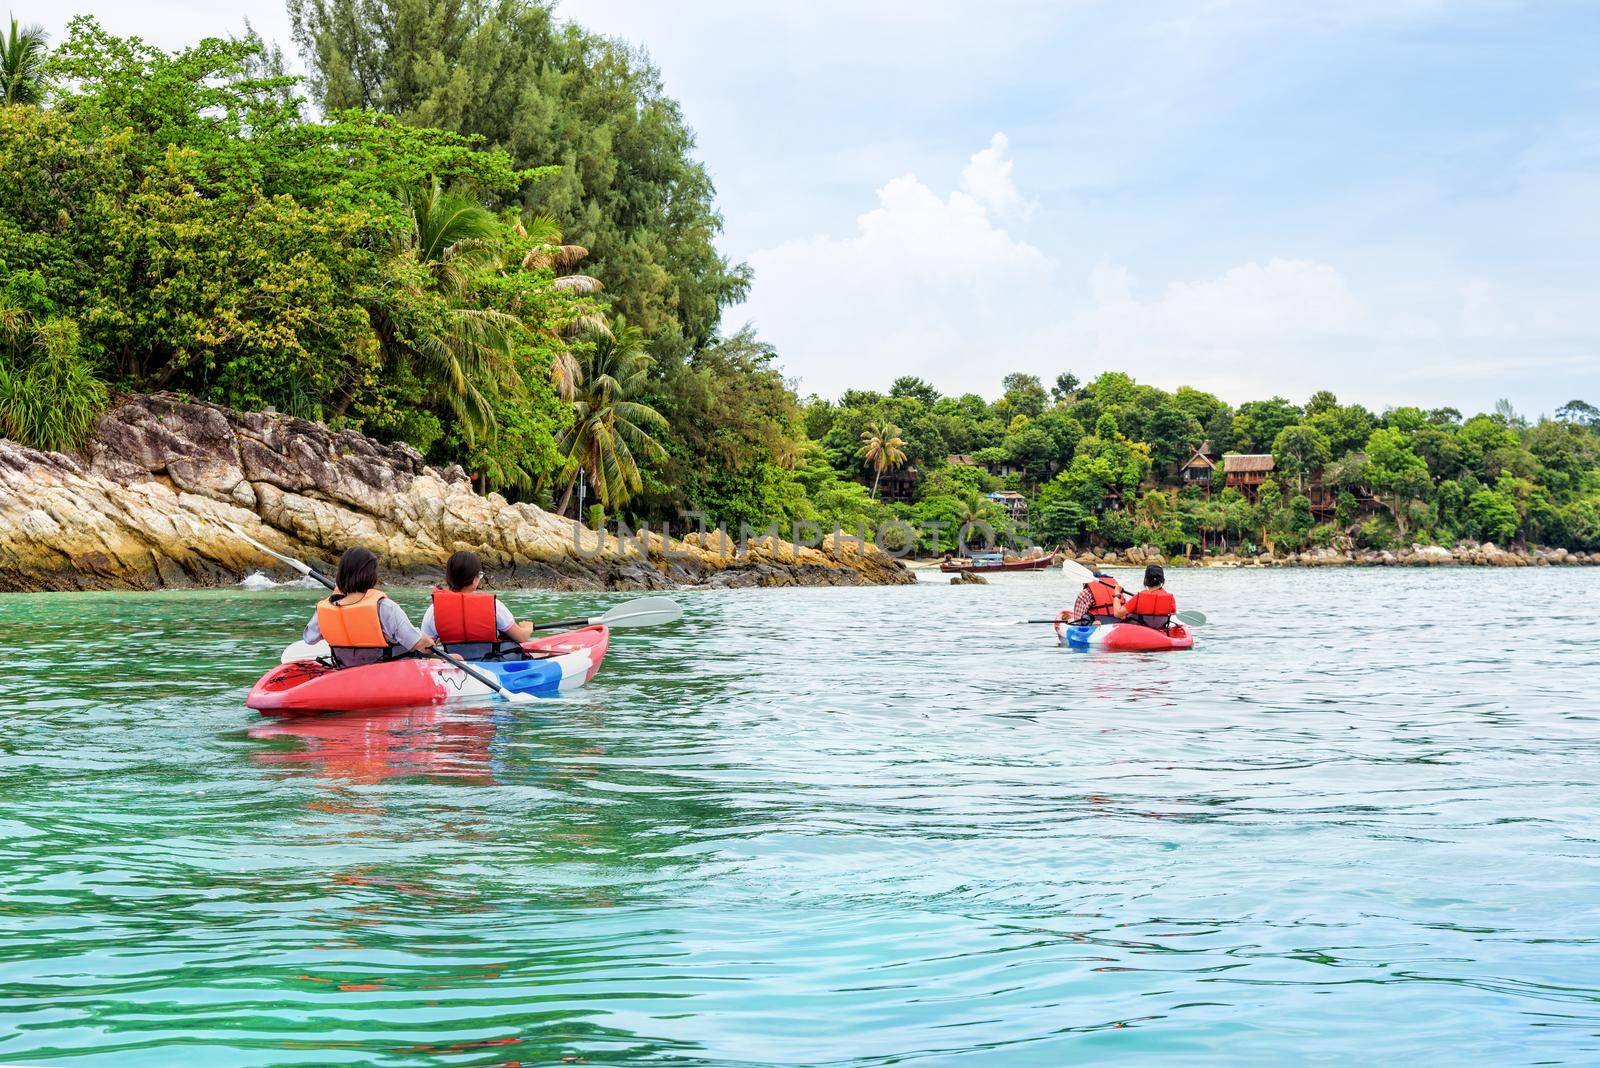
x=486, y=651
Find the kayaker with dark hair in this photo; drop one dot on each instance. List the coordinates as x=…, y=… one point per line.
x=358, y=621
x=1097, y=601
x=1152, y=606
x=468, y=623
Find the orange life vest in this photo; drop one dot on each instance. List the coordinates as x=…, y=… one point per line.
x=352, y=623
x=1103, y=593
x=1153, y=608
x=464, y=617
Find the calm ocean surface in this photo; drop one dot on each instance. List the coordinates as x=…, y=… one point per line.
x=1360, y=822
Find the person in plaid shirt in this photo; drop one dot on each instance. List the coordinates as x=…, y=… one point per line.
x=1098, y=600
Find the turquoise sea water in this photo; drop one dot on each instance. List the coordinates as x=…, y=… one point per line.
x=826, y=827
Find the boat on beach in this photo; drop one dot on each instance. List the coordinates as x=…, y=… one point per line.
x=988, y=562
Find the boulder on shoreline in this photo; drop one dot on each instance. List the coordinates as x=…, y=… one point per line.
x=144, y=507
x=1466, y=554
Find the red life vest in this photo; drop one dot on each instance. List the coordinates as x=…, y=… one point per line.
x=1153, y=608
x=462, y=618
x=352, y=623
x=1103, y=593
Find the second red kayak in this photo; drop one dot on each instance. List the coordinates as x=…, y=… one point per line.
x=1126, y=637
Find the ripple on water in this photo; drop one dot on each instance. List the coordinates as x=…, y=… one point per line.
x=823, y=827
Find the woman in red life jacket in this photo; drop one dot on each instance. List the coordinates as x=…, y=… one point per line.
x=468, y=623
x=1152, y=606
x=359, y=623
x=1097, y=601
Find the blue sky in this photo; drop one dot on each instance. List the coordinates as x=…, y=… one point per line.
x=1395, y=200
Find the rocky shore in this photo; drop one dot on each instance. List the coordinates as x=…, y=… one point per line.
x=145, y=507
x=1466, y=554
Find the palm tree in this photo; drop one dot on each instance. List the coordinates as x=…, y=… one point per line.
x=22, y=53
x=883, y=448
x=549, y=253
x=457, y=349
x=608, y=426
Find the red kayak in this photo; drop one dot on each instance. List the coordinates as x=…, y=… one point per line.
x=1126, y=637
x=304, y=687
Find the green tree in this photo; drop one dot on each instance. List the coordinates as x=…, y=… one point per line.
x=1581, y=412
x=1297, y=520
x=1494, y=514
x=22, y=65
x=1066, y=387
x=627, y=186
x=1345, y=426
x=1172, y=435
x=1346, y=509
x=457, y=349
x=1299, y=450
x=1269, y=517
x=1024, y=394
x=1393, y=469
x=1256, y=423
x=883, y=450
x=737, y=435
x=49, y=394
x=915, y=388
x=608, y=425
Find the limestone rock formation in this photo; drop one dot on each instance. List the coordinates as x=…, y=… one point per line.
x=146, y=503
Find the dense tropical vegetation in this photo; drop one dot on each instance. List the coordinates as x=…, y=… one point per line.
x=487, y=236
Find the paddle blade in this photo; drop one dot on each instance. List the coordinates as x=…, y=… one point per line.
x=642, y=612
x=1191, y=619
x=1074, y=570
x=304, y=651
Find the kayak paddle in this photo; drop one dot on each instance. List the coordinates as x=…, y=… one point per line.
x=299, y=565
x=1072, y=569
x=640, y=612
x=1188, y=619
x=488, y=680
x=471, y=672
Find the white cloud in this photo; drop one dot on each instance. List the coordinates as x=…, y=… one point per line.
x=1251, y=330
x=935, y=286
x=946, y=287
x=919, y=287
x=1244, y=307
x=987, y=179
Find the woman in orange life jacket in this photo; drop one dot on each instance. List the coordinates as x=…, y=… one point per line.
x=1152, y=606
x=360, y=624
x=468, y=623
x=1097, y=601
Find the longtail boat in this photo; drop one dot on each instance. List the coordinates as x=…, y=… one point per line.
x=995, y=562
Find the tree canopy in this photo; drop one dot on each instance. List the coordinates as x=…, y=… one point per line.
x=406, y=263
x=626, y=184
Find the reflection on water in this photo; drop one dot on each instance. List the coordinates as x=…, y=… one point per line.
x=823, y=826
x=386, y=745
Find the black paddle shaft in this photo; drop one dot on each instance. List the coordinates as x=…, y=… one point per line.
x=471, y=672
x=561, y=623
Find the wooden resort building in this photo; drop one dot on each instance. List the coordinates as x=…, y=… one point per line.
x=1015, y=504
x=1198, y=469
x=1247, y=470
x=898, y=485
